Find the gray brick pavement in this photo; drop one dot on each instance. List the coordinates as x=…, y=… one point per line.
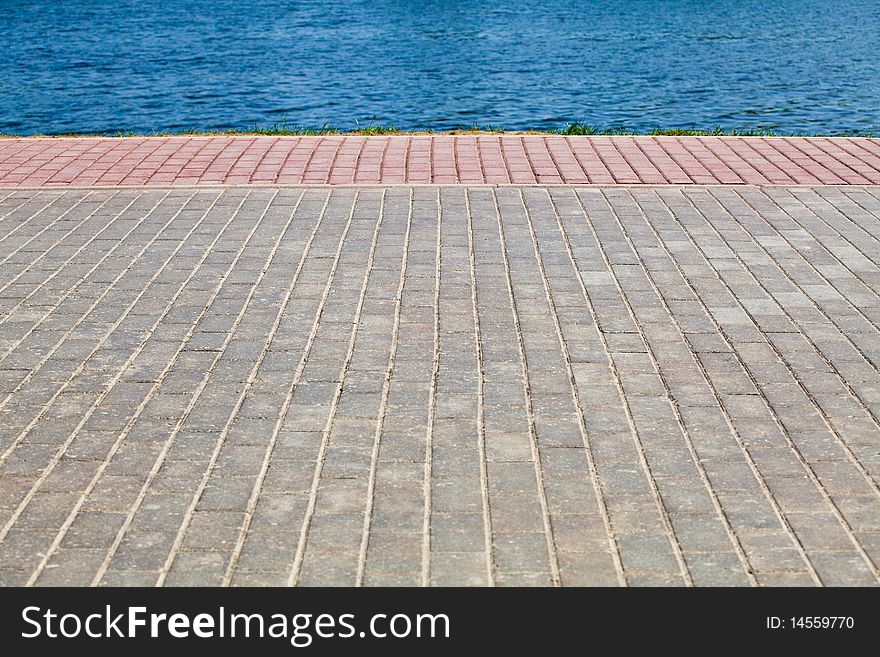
x=440, y=386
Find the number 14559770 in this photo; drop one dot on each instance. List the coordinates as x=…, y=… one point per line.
x=810, y=623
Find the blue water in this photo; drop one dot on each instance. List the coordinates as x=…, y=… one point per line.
x=156, y=65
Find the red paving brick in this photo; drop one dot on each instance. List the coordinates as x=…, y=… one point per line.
x=441, y=159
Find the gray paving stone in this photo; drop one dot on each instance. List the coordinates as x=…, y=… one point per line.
x=595, y=568
x=671, y=375
x=197, y=569
x=647, y=553
x=459, y=569
x=458, y=532
x=772, y=550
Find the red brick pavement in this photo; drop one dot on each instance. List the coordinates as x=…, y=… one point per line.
x=441, y=159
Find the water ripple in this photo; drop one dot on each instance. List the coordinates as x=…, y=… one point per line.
x=83, y=66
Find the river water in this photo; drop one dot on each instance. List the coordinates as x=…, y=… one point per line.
x=170, y=65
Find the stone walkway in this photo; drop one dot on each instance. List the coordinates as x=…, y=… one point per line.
x=442, y=159
x=514, y=385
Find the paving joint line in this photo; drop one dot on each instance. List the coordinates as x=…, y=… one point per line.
x=811, y=474
x=481, y=430
x=59, y=453
x=383, y=404
x=123, y=433
x=299, y=556
x=856, y=462
x=427, y=475
x=533, y=437
x=588, y=451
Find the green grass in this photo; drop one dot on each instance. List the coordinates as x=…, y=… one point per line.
x=375, y=129
x=275, y=130
x=283, y=129
x=581, y=128
x=279, y=130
